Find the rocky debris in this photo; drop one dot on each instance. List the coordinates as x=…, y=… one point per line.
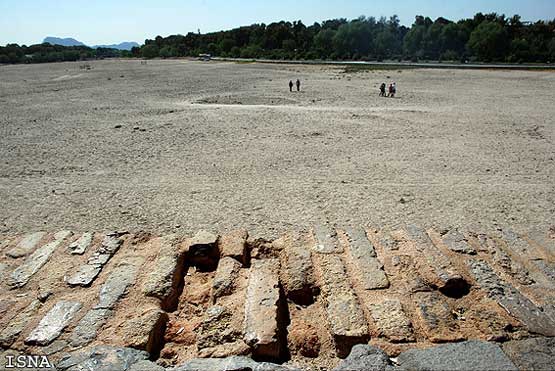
x=234, y=245
x=218, y=336
x=203, y=251
x=10, y=333
x=391, y=320
x=532, y=354
x=102, y=358
x=34, y=262
x=297, y=271
x=261, y=309
x=364, y=358
x=82, y=244
x=365, y=261
x=26, y=245
x=165, y=278
x=233, y=363
x=53, y=323
x=516, y=304
x=88, y=272
x=226, y=275
x=145, y=331
x=326, y=240
x=436, y=268
x=458, y=243
x=346, y=318
x=465, y=356
x=87, y=328
x=436, y=318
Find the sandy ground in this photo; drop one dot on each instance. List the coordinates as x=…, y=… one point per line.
x=182, y=145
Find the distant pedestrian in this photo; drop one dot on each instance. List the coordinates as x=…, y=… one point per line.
x=298, y=85
x=391, y=90
x=382, y=89
x=290, y=85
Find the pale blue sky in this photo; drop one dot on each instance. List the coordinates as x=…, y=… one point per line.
x=113, y=21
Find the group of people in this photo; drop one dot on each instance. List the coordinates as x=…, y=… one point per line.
x=298, y=83
x=392, y=90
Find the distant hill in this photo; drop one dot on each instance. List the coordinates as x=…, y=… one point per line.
x=127, y=45
x=72, y=42
x=63, y=42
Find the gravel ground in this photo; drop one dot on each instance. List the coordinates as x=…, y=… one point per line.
x=183, y=145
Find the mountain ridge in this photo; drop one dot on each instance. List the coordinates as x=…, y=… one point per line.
x=126, y=45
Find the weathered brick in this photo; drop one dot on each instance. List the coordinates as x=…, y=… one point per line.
x=261, y=309
x=365, y=261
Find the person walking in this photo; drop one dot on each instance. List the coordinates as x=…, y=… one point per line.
x=382, y=89
x=298, y=85
x=291, y=85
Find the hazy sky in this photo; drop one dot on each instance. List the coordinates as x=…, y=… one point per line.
x=114, y=21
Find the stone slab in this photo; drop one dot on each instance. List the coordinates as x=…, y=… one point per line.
x=225, y=279
x=516, y=304
x=145, y=330
x=363, y=255
x=326, y=240
x=234, y=245
x=346, y=318
x=101, y=358
x=88, y=272
x=364, y=358
x=34, y=262
x=16, y=326
x=27, y=244
x=53, y=323
x=457, y=242
x=391, y=320
x=261, y=309
x=532, y=354
x=436, y=318
x=163, y=280
x=82, y=244
x=87, y=328
x=234, y=363
x=465, y=356
x=436, y=268
x=297, y=271
x=117, y=283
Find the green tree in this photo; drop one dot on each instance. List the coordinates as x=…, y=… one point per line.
x=150, y=51
x=489, y=42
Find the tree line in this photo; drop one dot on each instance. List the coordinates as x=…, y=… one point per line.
x=43, y=53
x=483, y=38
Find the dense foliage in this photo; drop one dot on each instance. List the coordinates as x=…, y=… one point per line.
x=485, y=38
x=42, y=53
